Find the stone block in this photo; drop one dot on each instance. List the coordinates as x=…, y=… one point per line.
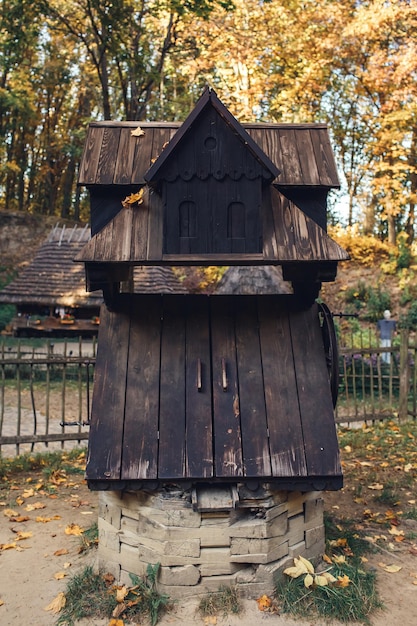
x=219, y=556
x=219, y=569
x=253, y=527
x=295, y=503
x=272, y=553
x=315, y=537
x=129, y=559
x=129, y=524
x=186, y=575
x=190, y=547
x=313, y=512
x=295, y=529
x=296, y=549
x=108, y=535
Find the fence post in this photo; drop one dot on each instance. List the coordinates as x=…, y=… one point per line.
x=404, y=375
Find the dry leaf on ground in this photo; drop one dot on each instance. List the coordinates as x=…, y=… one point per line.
x=57, y=603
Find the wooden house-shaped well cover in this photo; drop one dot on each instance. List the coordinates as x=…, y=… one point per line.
x=224, y=388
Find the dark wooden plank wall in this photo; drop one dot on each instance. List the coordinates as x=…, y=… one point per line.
x=106, y=430
x=112, y=155
x=257, y=406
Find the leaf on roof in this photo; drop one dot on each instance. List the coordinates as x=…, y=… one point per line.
x=138, y=132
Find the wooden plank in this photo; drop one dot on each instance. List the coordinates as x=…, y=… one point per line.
x=124, y=158
x=309, y=171
x=107, y=412
x=140, y=225
x=268, y=141
x=143, y=155
x=255, y=442
x=91, y=154
x=324, y=157
x=107, y=159
x=160, y=140
x=226, y=403
x=171, y=463
x=314, y=395
x=269, y=242
x=286, y=440
x=155, y=227
x=140, y=436
x=290, y=157
x=199, y=428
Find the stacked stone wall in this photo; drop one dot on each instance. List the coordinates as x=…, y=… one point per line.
x=243, y=540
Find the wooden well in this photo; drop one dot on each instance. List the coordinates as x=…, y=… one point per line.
x=212, y=428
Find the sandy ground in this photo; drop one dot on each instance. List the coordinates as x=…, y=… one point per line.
x=28, y=568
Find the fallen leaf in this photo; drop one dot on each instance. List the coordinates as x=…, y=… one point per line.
x=19, y=501
x=394, y=531
x=210, y=619
x=264, y=602
x=20, y=518
x=376, y=487
x=121, y=593
x=391, y=569
x=28, y=493
x=74, y=529
x=1, y=602
x=308, y=581
x=338, y=559
x=7, y=546
x=343, y=581
x=327, y=559
x=10, y=513
x=60, y=575
x=36, y=505
x=61, y=552
x=57, y=603
x=321, y=580
x=22, y=535
x=45, y=520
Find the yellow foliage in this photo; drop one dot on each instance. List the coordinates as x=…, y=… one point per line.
x=365, y=249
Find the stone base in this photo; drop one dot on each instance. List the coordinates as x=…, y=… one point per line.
x=209, y=536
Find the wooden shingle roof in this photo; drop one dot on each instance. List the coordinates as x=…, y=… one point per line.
x=52, y=278
x=113, y=156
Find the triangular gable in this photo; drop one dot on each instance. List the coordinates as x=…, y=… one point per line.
x=210, y=99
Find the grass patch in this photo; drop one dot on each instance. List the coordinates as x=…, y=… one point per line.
x=87, y=594
x=352, y=597
x=354, y=603
x=224, y=601
x=96, y=596
x=70, y=462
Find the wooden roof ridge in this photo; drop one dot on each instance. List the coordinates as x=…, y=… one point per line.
x=209, y=98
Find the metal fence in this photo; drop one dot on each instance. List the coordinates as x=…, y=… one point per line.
x=45, y=394
x=46, y=390
x=377, y=383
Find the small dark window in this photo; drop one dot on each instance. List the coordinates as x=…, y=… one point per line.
x=236, y=218
x=188, y=219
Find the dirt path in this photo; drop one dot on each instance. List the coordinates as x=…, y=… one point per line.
x=30, y=569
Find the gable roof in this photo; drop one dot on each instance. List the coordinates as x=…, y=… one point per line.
x=113, y=156
x=209, y=100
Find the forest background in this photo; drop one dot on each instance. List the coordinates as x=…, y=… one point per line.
x=349, y=63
